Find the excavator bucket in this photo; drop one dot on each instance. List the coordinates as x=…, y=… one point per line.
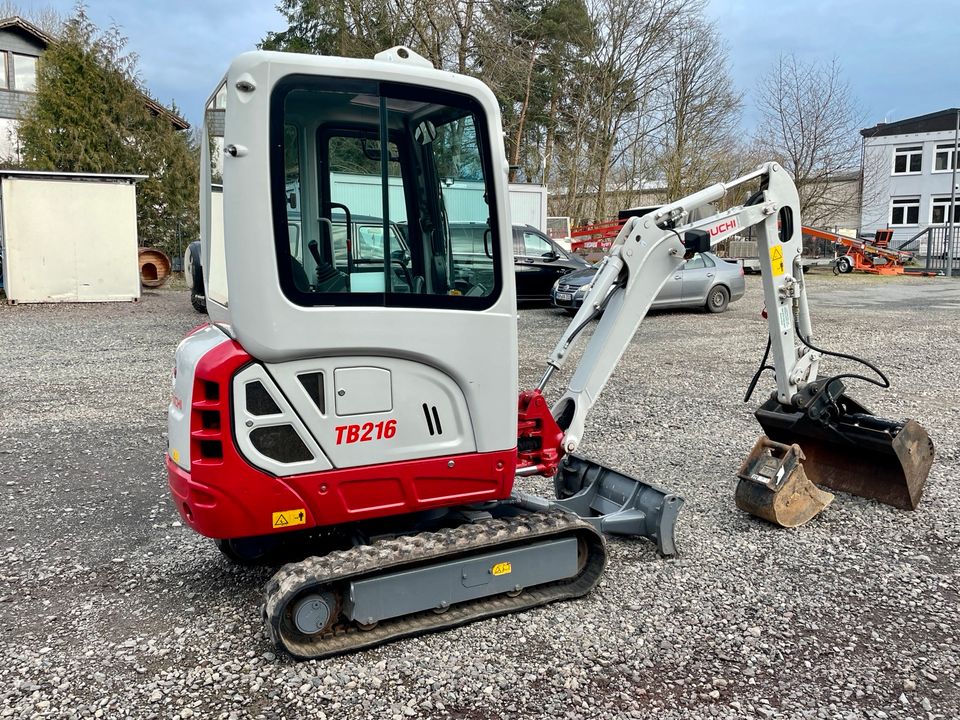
x=774, y=486
x=848, y=449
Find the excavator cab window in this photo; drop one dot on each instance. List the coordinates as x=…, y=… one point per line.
x=384, y=177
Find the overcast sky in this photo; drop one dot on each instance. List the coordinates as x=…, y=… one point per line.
x=899, y=62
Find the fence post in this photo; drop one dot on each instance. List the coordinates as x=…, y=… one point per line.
x=953, y=196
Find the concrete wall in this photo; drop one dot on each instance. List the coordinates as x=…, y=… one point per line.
x=69, y=240
x=614, y=201
x=837, y=207
x=881, y=186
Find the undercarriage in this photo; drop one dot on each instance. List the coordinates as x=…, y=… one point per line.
x=500, y=562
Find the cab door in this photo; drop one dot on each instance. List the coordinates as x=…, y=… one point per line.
x=420, y=149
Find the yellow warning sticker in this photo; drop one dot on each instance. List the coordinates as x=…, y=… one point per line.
x=503, y=568
x=776, y=259
x=175, y=454
x=287, y=518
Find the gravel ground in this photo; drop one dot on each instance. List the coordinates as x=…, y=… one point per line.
x=110, y=608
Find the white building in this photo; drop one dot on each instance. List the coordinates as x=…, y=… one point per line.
x=908, y=176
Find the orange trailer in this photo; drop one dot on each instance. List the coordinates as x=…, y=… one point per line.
x=865, y=255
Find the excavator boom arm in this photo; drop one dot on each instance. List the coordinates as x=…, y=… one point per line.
x=844, y=446
x=644, y=255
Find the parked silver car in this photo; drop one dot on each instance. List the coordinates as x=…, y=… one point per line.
x=705, y=280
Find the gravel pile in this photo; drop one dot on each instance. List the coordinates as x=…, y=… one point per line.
x=110, y=608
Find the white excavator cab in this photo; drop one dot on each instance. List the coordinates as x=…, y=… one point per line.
x=365, y=216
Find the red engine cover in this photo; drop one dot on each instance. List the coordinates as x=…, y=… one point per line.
x=223, y=496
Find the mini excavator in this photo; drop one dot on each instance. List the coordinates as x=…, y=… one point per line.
x=353, y=403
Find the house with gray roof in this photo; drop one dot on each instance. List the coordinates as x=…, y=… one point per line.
x=21, y=46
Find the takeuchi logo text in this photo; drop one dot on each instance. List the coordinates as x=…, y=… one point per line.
x=730, y=224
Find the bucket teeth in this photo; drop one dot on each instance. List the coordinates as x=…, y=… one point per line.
x=773, y=485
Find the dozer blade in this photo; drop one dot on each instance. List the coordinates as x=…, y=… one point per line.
x=773, y=485
x=616, y=503
x=848, y=449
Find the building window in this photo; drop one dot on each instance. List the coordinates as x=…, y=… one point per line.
x=3, y=71
x=219, y=100
x=907, y=160
x=940, y=210
x=905, y=211
x=942, y=160
x=24, y=73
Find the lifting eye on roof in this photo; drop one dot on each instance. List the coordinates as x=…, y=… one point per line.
x=402, y=54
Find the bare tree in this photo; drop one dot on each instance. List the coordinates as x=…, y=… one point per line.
x=590, y=90
x=809, y=124
x=444, y=31
x=703, y=111
x=620, y=76
x=46, y=18
x=352, y=28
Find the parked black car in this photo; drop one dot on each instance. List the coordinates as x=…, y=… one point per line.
x=539, y=262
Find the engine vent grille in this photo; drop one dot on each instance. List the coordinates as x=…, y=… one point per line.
x=205, y=426
x=280, y=443
x=432, y=417
x=259, y=401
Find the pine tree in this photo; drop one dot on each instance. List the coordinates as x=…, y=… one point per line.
x=89, y=115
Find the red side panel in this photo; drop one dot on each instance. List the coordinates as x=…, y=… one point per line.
x=223, y=496
x=339, y=496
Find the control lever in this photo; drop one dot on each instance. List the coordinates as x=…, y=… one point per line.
x=315, y=251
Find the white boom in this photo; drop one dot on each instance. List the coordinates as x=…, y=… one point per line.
x=650, y=248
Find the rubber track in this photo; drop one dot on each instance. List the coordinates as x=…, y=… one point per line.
x=339, y=567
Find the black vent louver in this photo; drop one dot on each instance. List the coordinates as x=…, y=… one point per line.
x=280, y=443
x=259, y=401
x=432, y=417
